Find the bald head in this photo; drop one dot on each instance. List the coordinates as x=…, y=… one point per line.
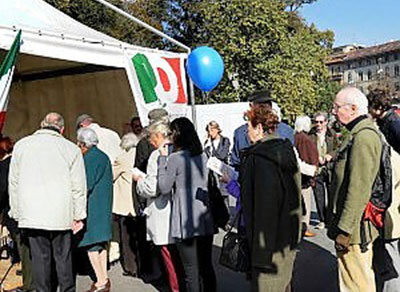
x=53, y=120
x=350, y=103
x=354, y=96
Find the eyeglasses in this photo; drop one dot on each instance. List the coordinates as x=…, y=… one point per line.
x=336, y=107
x=319, y=122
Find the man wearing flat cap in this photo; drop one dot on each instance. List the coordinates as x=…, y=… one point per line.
x=240, y=138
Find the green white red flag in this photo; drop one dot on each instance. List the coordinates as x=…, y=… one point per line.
x=6, y=74
x=159, y=81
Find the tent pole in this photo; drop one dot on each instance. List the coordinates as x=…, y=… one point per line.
x=145, y=25
x=163, y=35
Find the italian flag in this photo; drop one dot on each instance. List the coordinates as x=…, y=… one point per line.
x=6, y=73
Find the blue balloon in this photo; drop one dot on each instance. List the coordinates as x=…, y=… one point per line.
x=205, y=67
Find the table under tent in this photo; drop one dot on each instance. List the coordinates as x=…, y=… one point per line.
x=67, y=67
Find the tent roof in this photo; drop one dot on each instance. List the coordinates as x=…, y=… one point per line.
x=48, y=32
x=39, y=15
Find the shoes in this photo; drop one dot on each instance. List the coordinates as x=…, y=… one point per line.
x=129, y=274
x=309, y=233
x=320, y=226
x=105, y=288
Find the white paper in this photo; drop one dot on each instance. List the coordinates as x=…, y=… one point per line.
x=220, y=168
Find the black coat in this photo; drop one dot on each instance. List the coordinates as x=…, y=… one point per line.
x=270, y=196
x=222, y=151
x=390, y=127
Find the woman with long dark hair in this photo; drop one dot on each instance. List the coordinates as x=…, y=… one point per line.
x=184, y=173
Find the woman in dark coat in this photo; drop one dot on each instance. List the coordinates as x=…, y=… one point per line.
x=216, y=145
x=99, y=215
x=270, y=195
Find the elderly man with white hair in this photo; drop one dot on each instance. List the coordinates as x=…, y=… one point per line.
x=99, y=208
x=47, y=187
x=308, y=153
x=356, y=169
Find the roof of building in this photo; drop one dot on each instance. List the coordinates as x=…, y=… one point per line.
x=364, y=53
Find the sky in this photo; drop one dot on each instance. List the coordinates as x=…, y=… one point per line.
x=362, y=22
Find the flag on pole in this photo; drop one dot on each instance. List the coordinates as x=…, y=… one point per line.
x=6, y=74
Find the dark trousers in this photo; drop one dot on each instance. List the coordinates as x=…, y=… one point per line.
x=26, y=260
x=320, y=189
x=45, y=247
x=128, y=244
x=196, y=257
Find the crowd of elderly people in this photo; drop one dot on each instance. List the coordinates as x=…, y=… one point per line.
x=145, y=199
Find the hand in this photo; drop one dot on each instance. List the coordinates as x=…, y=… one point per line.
x=342, y=243
x=77, y=226
x=225, y=178
x=164, y=149
x=321, y=160
x=328, y=158
x=136, y=177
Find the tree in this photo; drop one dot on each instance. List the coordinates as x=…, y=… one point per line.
x=294, y=5
x=267, y=47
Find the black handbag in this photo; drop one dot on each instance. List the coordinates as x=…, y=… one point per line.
x=218, y=208
x=235, y=253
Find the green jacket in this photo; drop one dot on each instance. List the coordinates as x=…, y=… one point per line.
x=355, y=171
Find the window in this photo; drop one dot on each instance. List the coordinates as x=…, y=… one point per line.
x=360, y=63
x=361, y=76
x=387, y=71
x=349, y=78
x=369, y=62
x=369, y=75
x=349, y=66
x=395, y=56
x=396, y=70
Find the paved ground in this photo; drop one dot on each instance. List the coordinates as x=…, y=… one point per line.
x=315, y=271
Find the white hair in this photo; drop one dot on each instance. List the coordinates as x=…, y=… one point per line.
x=302, y=124
x=159, y=126
x=88, y=137
x=54, y=120
x=129, y=141
x=354, y=96
x=277, y=110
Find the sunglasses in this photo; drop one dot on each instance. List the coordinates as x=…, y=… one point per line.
x=319, y=122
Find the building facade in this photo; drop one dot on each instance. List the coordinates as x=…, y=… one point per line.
x=365, y=66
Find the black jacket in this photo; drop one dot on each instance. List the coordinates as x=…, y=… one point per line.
x=390, y=127
x=270, y=196
x=222, y=151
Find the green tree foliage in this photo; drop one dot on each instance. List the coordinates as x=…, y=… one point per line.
x=266, y=47
x=294, y=5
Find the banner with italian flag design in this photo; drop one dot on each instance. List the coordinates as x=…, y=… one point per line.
x=158, y=80
x=6, y=75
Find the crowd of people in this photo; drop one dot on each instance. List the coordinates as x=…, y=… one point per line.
x=144, y=200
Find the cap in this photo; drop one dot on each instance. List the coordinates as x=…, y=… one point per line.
x=260, y=96
x=157, y=113
x=81, y=118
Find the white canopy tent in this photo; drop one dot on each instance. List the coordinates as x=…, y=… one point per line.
x=65, y=66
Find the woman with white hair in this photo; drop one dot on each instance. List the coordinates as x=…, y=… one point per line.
x=158, y=210
x=100, y=195
x=124, y=205
x=308, y=153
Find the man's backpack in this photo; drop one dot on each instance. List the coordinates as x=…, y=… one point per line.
x=381, y=195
